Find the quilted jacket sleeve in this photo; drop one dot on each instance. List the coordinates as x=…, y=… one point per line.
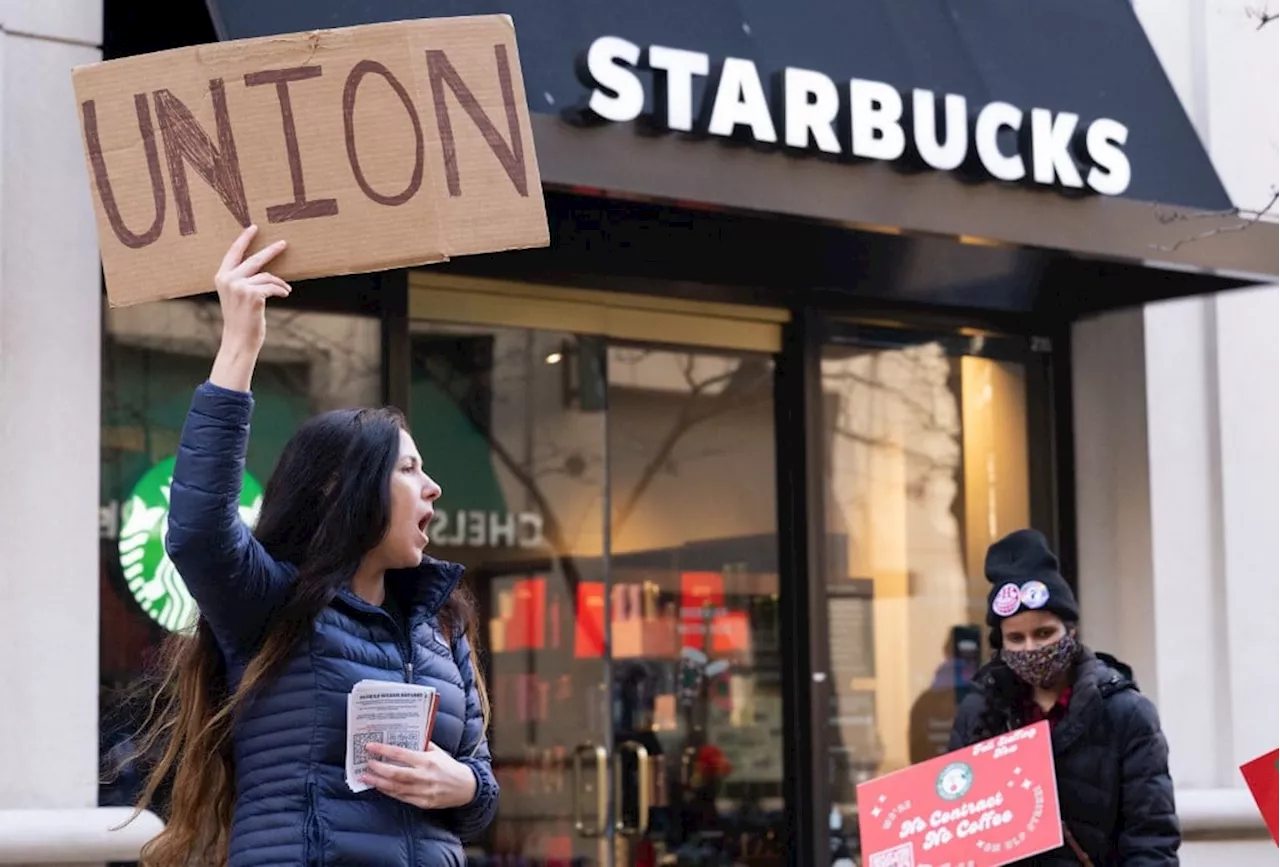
x=234, y=581
x=470, y=821
x=1149, y=833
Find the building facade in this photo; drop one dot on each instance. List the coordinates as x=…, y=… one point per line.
x=1176, y=456
x=724, y=460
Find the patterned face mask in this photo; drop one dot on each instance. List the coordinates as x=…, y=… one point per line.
x=1044, y=666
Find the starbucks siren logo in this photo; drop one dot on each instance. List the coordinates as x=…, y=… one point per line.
x=150, y=574
x=954, y=782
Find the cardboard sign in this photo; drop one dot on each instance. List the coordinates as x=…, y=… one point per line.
x=367, y=148
x=1262, y=775
x=993, y=803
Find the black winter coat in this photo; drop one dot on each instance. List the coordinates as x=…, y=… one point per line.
x=1111, y=758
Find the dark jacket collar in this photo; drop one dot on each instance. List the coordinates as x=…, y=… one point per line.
x=427, y=587
x=424, y=589
x=1095, y=680
x=1086, y=702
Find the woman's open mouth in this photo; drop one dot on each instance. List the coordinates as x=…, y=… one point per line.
x=424, y=524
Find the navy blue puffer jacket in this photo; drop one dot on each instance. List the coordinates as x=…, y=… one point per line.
x=293, y=806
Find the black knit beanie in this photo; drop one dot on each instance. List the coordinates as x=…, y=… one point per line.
x=1024, y=576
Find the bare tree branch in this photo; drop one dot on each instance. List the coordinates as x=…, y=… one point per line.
x=690, y=417
x=1166, y=217
x=551, y=527
x=738, y=391
x=1263, y=15
x=926, y=413
x=1248, y=219
x=929, y=461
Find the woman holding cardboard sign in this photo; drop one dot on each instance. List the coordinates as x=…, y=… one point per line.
x=331, y=588
x=1110, y=756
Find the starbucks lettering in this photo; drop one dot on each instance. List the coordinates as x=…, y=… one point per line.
x=942, y=132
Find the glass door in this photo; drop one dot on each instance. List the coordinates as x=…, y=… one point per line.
x=523, y=472
x=614, y=504
x=694, y=621
x=935, y=446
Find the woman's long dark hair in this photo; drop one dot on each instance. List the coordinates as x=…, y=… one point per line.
x=321, y=513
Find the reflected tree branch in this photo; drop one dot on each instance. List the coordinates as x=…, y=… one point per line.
x=552, y=529
x=741, y=386
x=692, y=415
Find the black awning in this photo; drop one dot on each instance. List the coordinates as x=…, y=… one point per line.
x=1087, y=57
x=1090, y=57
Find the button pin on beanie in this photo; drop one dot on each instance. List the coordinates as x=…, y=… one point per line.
x=1007, y=600
x=1034, y=594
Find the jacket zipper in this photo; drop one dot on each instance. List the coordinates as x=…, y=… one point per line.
x=405, y=646
x=406, y=653
x=313, y=848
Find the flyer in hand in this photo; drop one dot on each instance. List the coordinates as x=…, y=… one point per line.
x=993, y=803
x=399, y=714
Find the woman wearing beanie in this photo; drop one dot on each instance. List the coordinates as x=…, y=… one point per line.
x=1111, y=758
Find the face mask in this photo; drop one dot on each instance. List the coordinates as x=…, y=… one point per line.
x=1044, y=666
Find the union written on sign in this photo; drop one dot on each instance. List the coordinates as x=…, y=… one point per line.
x=367, y=148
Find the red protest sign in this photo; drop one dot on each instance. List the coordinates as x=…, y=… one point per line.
x=993, y=803
x=1262, y=775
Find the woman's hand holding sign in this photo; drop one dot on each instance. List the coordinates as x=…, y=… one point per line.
x=243, y=289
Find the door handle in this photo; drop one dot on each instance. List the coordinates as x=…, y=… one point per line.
x=687, y=762
x=601, y=756
x=644, y=784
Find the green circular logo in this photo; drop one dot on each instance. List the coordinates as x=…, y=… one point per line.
x=954, y=782
x=148, y=571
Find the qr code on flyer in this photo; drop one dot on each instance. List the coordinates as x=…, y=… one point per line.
x=898, y=856
x=403, y=738
x=359, y=742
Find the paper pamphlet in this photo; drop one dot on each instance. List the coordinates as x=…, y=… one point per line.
x=399, y=714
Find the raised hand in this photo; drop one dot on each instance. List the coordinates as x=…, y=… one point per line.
x=243, y=289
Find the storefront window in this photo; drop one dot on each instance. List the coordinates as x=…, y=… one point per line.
x=928, y=462
x=615, y=507
x=154, y=356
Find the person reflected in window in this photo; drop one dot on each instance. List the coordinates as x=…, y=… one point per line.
x=331, y=588
x=1110, y=755
x=934, y=710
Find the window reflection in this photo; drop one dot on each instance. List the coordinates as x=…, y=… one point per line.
x=694, y=523
x=615, y=507
x=521, y=466
x=927, y=461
